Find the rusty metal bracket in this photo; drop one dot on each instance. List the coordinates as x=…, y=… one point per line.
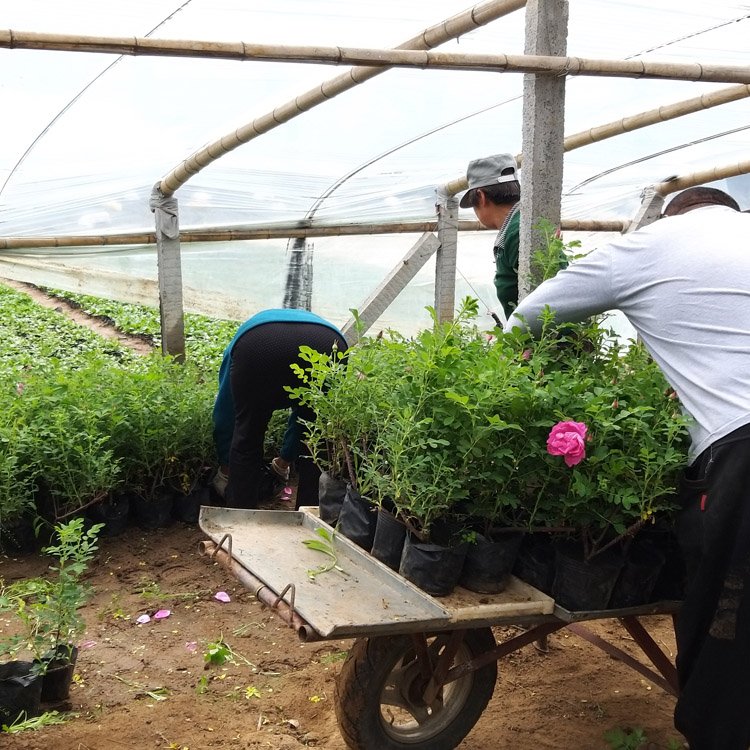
x=419, y=641
x=617, y=653
x=280, y=598
x=263, y=593
x=226, y=538
x=655, y=654
x=503, y=649
x=443, y=665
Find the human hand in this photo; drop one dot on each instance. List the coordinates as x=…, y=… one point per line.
x=219, y=482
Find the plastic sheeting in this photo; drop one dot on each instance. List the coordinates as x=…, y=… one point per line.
x=86, y=136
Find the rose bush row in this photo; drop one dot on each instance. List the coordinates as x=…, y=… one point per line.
x=478, y=429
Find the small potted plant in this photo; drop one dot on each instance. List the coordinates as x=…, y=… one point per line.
x=47, y=608
x=430, y=425
x=345, y=392
x=616, y=449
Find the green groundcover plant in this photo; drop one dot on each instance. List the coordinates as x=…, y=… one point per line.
x=451, y=425
x=70, y=437
x=81, y=417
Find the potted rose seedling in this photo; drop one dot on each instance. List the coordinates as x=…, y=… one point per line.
x=616, y=450
x=46, y=609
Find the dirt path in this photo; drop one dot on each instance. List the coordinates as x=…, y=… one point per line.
x=103, y=328
x=145, y=686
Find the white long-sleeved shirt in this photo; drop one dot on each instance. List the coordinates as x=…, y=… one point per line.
x=684, y=284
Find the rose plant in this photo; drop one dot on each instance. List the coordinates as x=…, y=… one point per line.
x=405, y=418
x=567, y=439
x=47, y=609
x=572, y=430
x=619, y=441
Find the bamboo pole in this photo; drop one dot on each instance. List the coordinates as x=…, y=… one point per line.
x=450, y=28
x=279, y=232
x=702, y=177
x=594, y=225
x=635, y=122
x=406, y=56
x=660, y=114
x=292, y=230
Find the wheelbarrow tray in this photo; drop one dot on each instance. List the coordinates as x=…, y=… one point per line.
x=366, y=597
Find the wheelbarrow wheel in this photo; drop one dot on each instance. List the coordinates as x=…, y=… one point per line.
x=379, y=703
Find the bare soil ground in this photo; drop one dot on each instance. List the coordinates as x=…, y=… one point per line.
x=279, y=693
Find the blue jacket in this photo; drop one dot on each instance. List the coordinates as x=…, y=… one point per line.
x=223, y=414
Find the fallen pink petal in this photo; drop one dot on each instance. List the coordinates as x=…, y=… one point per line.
x=86, y=645
x=287, y=490
x=161, y=614
x=191, y=647
x=222, y=596
x=143, y=619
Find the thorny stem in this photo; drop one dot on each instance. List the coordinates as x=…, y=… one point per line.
x=630, y=531
x=77, y=510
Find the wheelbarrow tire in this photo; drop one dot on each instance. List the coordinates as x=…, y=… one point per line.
x=378, y=695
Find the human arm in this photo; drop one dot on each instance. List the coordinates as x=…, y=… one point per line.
x=577, y=292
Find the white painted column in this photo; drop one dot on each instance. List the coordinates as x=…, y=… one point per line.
x=445, y=260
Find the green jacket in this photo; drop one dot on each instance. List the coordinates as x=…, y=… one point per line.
x=505, y=250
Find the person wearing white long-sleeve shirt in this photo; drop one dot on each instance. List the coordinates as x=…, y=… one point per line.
x=683, y=282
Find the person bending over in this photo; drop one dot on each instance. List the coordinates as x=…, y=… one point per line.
x=255, y=370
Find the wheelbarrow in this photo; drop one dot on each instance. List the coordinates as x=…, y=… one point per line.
x=421, y=669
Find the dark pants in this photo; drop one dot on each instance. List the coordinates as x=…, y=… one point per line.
x=259, y=372
x=713, y=627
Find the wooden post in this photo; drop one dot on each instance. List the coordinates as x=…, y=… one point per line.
x=170, y=273
x=543, y=134
x=392, y=286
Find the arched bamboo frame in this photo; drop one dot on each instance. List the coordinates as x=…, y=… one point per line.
x=370, y=62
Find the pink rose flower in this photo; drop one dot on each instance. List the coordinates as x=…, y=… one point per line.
x=568, y=439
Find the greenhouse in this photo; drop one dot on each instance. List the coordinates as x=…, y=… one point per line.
x=171, y=169
x=92, y=133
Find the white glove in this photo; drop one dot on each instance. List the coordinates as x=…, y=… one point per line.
x=219, y=482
